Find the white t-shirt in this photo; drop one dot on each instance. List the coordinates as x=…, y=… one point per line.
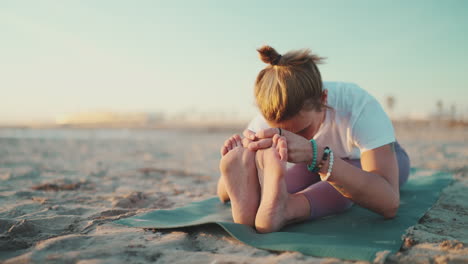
x=356, y=123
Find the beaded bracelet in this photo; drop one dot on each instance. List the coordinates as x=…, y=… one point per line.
x=311, y=167
x=330, y=167
x=326, y=153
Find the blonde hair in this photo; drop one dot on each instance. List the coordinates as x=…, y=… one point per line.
x=290, y=83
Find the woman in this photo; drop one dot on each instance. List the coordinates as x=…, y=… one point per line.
x=336, y=137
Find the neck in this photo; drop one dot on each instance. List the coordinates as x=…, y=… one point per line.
x=324, y=115
x=322, y=119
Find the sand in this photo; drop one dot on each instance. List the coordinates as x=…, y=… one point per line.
x=60, y=190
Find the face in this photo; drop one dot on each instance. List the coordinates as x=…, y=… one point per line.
x=305, y=123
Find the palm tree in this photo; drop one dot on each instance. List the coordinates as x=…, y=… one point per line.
x=440, y=108
x=453, y=112
x=390, y=101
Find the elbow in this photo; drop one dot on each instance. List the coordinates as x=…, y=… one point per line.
x=391, y=211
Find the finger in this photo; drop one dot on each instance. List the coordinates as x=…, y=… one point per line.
x=261, y=144
x=249, y=134
x=246, y=142
x=267, y=133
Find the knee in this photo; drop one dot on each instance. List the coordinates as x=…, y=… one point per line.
x=347, y=203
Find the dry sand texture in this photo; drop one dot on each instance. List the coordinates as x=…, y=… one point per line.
x=60, y=190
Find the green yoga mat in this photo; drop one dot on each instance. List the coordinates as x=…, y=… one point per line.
x=357, y=234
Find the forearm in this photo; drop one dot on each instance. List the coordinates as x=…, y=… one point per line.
x=368, y=189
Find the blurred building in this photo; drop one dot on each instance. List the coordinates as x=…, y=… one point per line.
x=109, y=118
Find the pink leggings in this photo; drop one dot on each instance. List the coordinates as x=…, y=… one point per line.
x=323, y=198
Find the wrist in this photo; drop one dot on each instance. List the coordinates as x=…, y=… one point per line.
x=313, y=164
x=327, y=164
x=323, y=165
x=308, y=153
x=324, y=169
x=319, y=154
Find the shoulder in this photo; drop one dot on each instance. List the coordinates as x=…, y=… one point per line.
x=346, y=97
x=341, y=85
x=341, y=89
x=361, y=113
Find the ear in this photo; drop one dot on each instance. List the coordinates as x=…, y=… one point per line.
x=325, y=96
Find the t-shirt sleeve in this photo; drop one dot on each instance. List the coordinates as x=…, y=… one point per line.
x=372, y=127
x=258, y=123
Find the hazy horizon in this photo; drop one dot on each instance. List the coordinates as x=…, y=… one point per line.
x=174, y=57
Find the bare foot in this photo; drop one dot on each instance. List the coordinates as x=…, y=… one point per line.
x=239, y=177
x=229, y=144
x=271, y=168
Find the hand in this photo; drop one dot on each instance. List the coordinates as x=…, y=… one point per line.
x=299, y=148
x=257, y=143
x=249, y=137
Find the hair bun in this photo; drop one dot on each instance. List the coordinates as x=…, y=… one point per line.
x=269, y=55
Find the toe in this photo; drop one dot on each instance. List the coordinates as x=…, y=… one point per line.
x=223, y=150
x=238, y=140
x=232, y=142
x=227, y=144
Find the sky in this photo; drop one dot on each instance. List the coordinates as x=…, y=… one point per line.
x=62, y=57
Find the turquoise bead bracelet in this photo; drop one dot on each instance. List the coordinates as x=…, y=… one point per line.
x=312, y=167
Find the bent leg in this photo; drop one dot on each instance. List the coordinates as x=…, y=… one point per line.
x=298, y=178
x=323, y=198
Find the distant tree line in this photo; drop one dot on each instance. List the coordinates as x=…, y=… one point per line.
x=440, y=113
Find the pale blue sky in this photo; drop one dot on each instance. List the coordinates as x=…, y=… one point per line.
x=70, y=56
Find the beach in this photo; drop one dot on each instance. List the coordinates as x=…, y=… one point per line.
x=62, y=188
